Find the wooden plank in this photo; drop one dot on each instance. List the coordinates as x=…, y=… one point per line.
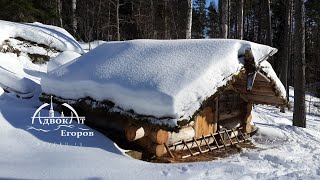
x=257, y=83
x=261, y=93
x=216, y=111
x=168, y=150
x=242, y=88
x=257, y=99
x=262, y=78
x=205, y=122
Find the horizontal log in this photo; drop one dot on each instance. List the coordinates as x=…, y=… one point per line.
x=245, y=92
x=257, y=99
x=159, y=136
x=152, y=148
x=135, y=132
x=262, y=78
x=256, y=83
x=243, y=87
x=228, y=115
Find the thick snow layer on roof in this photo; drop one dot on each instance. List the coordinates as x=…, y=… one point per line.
x=161, y=78
x=61, y=59
x=42, y=34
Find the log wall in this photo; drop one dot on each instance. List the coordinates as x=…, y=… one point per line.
x=227, y=110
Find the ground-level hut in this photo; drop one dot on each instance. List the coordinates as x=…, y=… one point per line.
x=160, y=92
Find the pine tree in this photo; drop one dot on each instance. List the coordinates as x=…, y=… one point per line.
x=299, y=114
x=212, y=21
x=223, y=18
x=199, y=19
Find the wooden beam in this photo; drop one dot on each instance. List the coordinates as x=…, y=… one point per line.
x=242, y=88
x=259, y=78
x=149, y=146
x=247, y=119
x=257, y=99
x=225, y=115
x=256, y=83
x=216, y=113
x=135, y=132
x=159, y=136
x=248, y=93
x=262, y=78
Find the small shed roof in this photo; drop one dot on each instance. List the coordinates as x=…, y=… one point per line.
x=159, y=78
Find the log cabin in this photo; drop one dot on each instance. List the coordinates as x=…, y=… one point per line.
x=226, y=105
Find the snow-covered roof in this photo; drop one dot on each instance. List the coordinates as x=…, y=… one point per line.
x=160, y=78
x=51, y=36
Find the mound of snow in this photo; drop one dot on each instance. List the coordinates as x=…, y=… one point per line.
x=42, y=34
x=12, y=76
x=91, y=45
x=62, y=59
x=162, y=78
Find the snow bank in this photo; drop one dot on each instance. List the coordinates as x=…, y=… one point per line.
x=42, y=34
x=88, y=46
x=162, y=78
x=12, y=75
x=62, y=59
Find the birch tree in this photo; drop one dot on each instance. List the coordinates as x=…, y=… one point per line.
x=189, y=20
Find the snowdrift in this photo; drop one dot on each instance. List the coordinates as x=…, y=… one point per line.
x=51, y=36
x=62, y=59
x=12, y=77
x=159, y=78
x=23, y=45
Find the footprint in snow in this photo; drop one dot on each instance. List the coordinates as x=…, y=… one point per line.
x=166, y=173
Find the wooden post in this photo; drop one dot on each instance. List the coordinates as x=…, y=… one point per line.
x=248, y=118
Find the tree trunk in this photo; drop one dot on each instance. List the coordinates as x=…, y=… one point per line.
x=59, y=9
x=117, y=20
x=223, y=11
x=299, y=114
x=269, y=29
x=259, y=22
x=74, y=19
x=240, y=20
x=189, y=20
x=165, y=20
x=285, y=50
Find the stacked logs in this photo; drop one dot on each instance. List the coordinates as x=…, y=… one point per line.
x=151, y=139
